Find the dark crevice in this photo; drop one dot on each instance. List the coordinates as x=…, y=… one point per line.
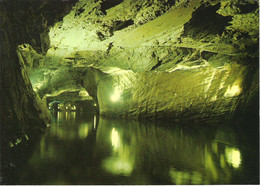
x=206, y=55
x=101, y=36
x=205, y=21
x=106, y=4
x=109, y=47
x=119, y=25
x=80, y=11
x=244, y=9
x=170, y=2
x=157, y=65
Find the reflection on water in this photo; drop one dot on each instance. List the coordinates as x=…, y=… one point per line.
x=85, y=149
x=121, y=161
x=233, y=156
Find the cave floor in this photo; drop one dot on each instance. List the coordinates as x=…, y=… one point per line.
x=81, y=148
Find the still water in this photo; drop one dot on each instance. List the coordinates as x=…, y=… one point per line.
x=80, y=148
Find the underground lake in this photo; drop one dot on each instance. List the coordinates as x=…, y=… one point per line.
x=82, y=148
x=130, y=92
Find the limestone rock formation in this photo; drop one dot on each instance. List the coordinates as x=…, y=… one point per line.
x=161, y=59
x=148, y=59
x=192, y=60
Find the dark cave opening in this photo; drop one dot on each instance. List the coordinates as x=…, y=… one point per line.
x=106, y=4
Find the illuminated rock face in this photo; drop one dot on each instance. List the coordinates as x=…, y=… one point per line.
x=146, y=59
x=155, y=59
x=185, y=60
x=203, y=93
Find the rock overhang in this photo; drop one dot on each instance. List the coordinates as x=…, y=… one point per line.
x=118, y=46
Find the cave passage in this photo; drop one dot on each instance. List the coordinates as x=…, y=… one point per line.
x=81, y=148
x=129, y=92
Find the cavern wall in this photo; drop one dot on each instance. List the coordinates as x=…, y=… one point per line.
x=23, y=115
x=177, y=60
x=195, y=60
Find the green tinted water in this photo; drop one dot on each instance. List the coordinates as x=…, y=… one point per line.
x=84, y=149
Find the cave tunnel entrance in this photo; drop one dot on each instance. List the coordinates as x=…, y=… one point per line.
x=61, y=85
x=76, y=101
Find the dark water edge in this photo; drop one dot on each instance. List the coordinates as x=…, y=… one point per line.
x=81, y=148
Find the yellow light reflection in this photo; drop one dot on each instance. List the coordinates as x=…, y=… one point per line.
x=42, y=147
x=115, y=139
x=117, y=165
x=222, y=161
x=59, y=117
x=184, y=177
x=73, y=115
x=95, y=122
x=116, y=96
x=122, y=160
x=83, y=131
x=233, y=90
x=233, y=156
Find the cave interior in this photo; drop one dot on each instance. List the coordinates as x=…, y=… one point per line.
x=129, y=92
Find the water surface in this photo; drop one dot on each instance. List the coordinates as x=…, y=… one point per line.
x=80, y=148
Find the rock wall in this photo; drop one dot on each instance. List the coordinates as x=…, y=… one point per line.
x=202, y=93
x=23, y=22
x=194, y=60
x=23, y=114
x=159, y=59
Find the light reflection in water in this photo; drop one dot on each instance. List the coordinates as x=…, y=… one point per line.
x=118, y=166
x=95, y=122
x=65, y=116
x=121, y=162
x=83, y=131
x=186, y=177
x=59, y=118
x=115, y=139
x=233, y=156
x=187, y=158
x=78, y=150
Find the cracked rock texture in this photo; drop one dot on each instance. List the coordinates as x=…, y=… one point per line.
x=180, y=60
x=159, y=59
